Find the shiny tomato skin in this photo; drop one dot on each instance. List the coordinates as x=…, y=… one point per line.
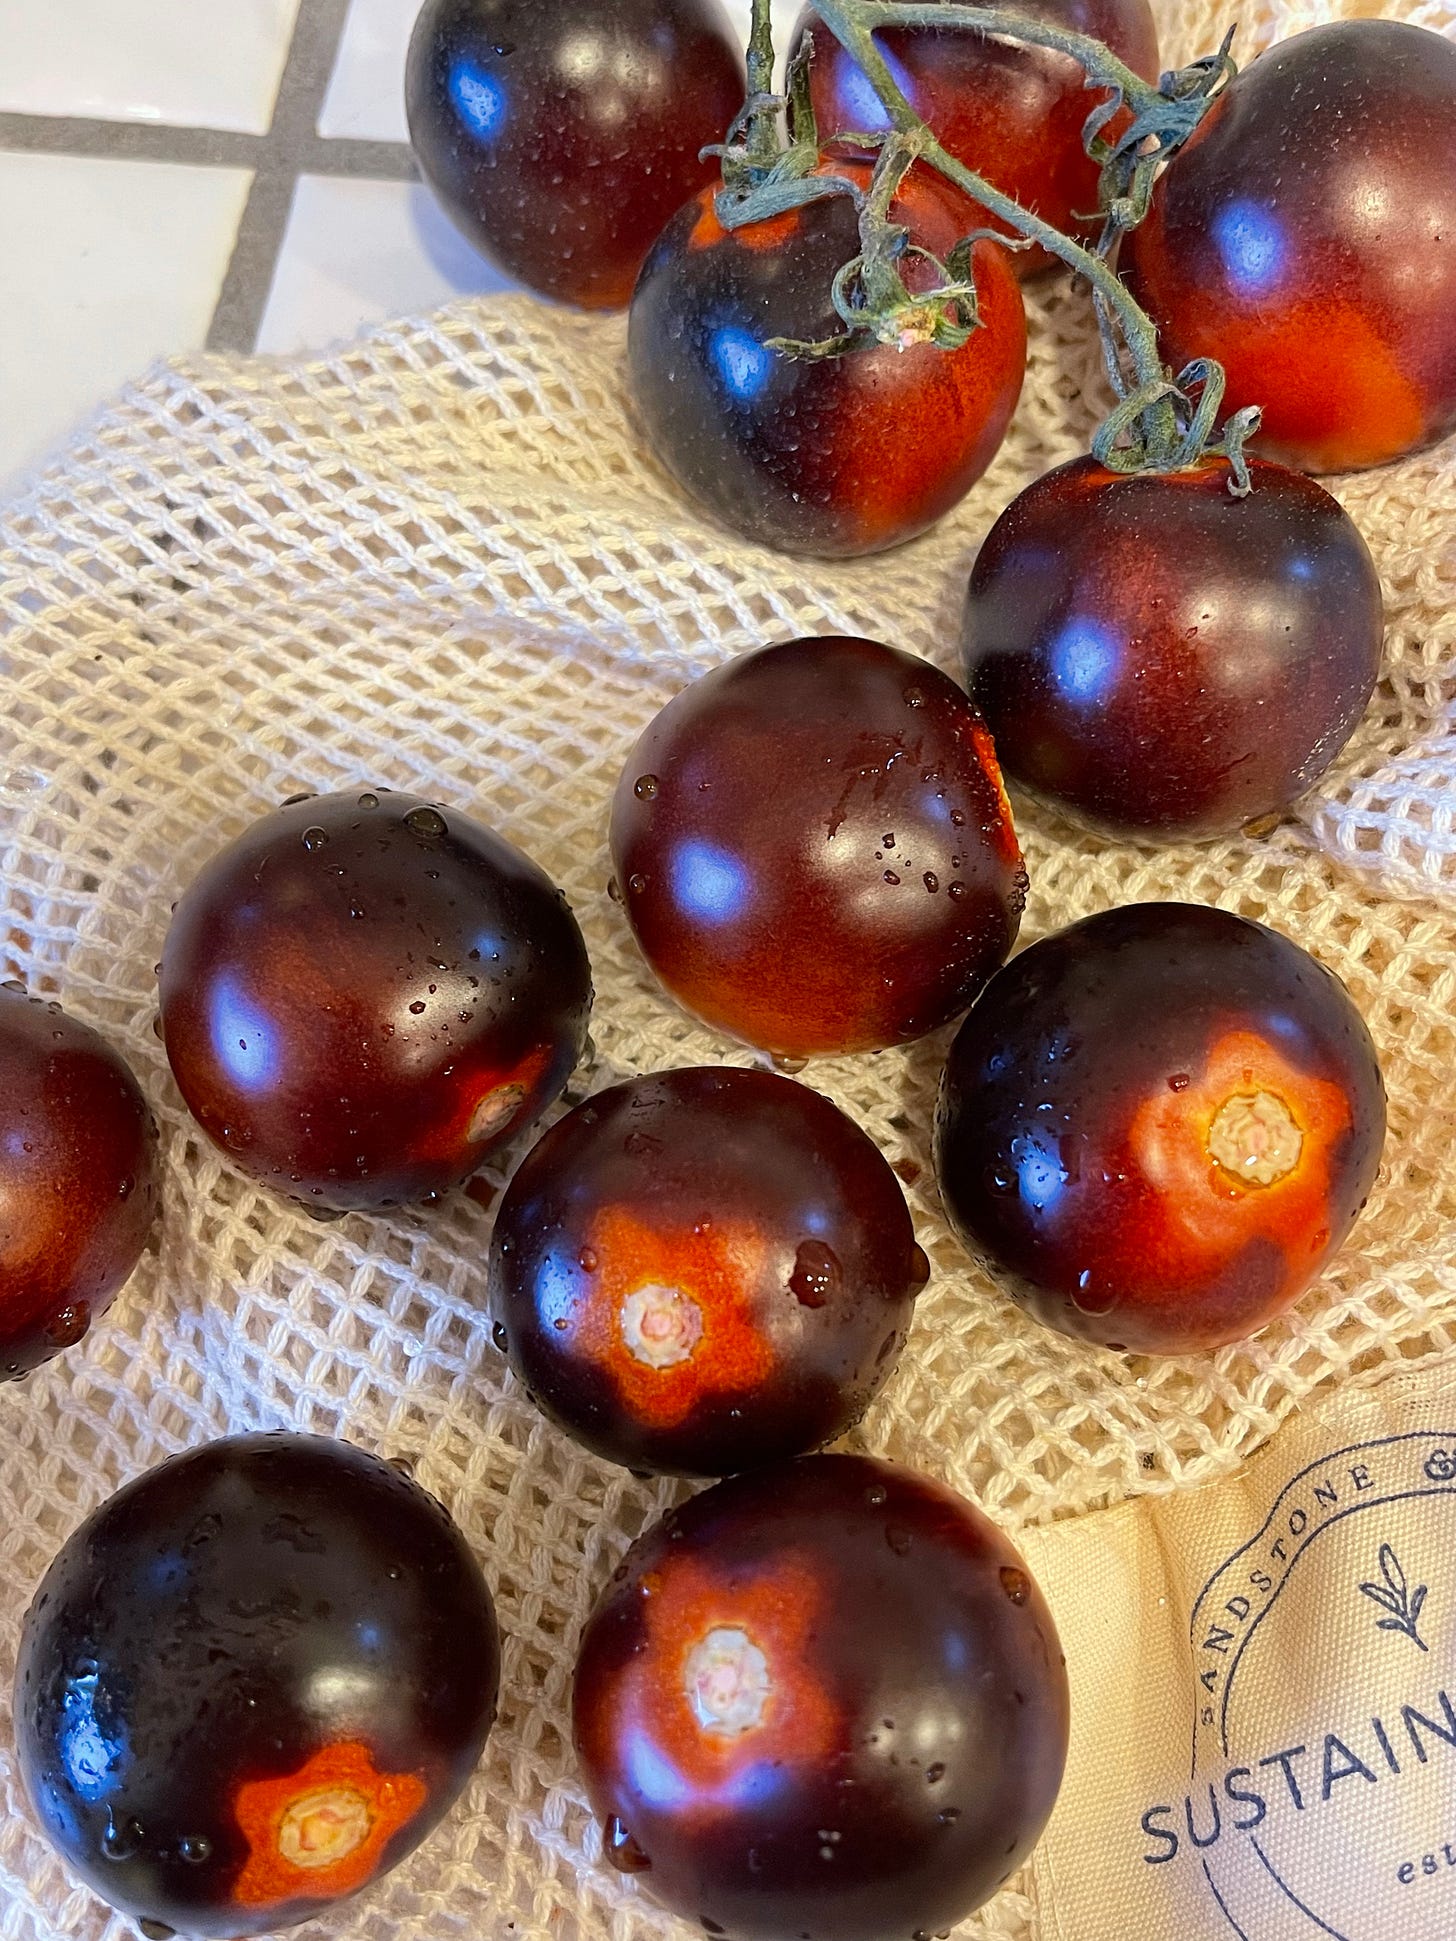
x=252, y=1682
x=814, y=848
x=1164, y=660
x=1306, y=238
x=846, y=456
x=1159, y=1126
x=79, y=1179
x=699, y=1271
x=366, y=994
x=561, y=135
x=882, y=1736
x=1012, y=112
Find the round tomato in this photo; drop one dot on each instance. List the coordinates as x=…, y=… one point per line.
x=561, y=136
x=1163, y=659
x=1012, y=112
x=846, y=455
x=1306, y=238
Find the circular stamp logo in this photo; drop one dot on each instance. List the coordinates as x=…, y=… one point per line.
x=1322, y=1792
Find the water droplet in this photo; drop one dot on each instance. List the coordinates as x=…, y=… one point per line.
x=122, y=1840
x=892, y=878
x=428, y=823
x=614, y=889
x=817, y=1274
x=914, y=697
x=932, y=881
x=418, y=1007
x=888, y=839
x=1015, y=1583
x=1179, y=1082
x=637, y=883
x=898, y=1538
x=499, y=1336
x=156, y=1930
x=368, y=800
x=957, y=890
x=934, y=1774
x=621, y=1850
x=356, y=908
x=292, y=801
x=947, y=1816
x=877, y=1496
x=315, y=839
x=195, y=1848
x=588, y=1260
x=919, y=1267
x=69, y=1324
x=126, y=1188
x=1001, y=1178
x=645, y=787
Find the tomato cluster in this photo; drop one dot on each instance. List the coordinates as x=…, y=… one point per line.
x=825, y=1699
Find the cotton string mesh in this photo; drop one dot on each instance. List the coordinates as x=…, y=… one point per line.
x=443, y=561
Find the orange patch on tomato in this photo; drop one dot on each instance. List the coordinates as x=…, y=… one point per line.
x=1004, y=836
x=669, y=1313
x=1181, y=1142
x=760, y=1626
x=320, y=1833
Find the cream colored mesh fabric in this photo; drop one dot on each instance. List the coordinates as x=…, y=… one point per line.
x=442, y=561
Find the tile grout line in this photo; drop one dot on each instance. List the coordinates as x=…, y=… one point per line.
x=312, y=54
x=155, y=141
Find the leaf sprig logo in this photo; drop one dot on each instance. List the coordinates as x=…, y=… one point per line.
x=1402, y=1606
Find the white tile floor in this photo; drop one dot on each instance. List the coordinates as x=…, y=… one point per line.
x=127, y=259
x=191, y=63
x=146, y=248
x=357, y=252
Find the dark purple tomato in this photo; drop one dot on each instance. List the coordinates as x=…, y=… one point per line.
x=1163, y=659
x=835, y=457
x=1159, y=1126
x=1012, y=112
x=252, y=1682
x=701, y=1270
x=79, y=1185
x=366, y=994
x=561, y=135
x=822, y=1702
x=1306, y=238
x=815, y=850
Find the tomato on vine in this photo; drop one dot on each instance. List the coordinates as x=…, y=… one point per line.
x=1013, y=112
x=1306, y=238
x=832, y=456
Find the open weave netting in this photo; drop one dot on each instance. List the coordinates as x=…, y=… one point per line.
x=443, y=561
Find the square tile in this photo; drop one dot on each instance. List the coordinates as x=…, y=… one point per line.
x=359, y=252
x=122, y=261
x=194, y=63
x=365, y=100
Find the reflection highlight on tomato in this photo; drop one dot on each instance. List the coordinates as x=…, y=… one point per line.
x=79, y=1179
x=814, y=848
x=1012, y=112
x=835, y=457
x=1159, y=1126
x=1163, y=659
x=825, y=1699
x=366, y=994
x=705, y=1269
x=252, y=1682
x=561, y=135
x=1306, y=238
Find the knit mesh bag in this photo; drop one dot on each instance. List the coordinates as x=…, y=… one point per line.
x=444, y=561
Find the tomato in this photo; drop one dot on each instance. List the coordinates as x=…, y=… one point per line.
x=365, y=995
x=79, y=1185
x=822, y=1702
x=1159, y=1126
x=1012, y=112
x=560, y=135
x=845, y=456
x=702, y=1270
x=1306, y=238
x=1163, y=659
x=252, y=1682
x=815, y=850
